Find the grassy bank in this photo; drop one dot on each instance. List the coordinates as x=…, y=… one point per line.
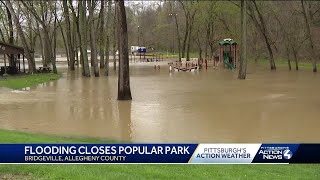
x=18, y=82
x=284, y=63
x=142, y=171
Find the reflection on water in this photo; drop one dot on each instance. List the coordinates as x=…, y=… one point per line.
x=208, y=106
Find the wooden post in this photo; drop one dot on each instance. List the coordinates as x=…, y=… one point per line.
x=19, y=61
x=235, y=55
x=230, y=55
x=220, y=54
x=134, y=57
x=5, y=64
x=206, y=61
x=24, y=68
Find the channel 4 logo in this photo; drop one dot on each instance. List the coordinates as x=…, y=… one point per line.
x=270, y=153
x=287, y=154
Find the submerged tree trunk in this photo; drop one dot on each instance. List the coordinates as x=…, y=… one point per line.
x=93, y=48
x=69, y=36
x=294, y=51
x=124, y=92
x=83, y=38
x=243, y=49
x=106, y=67
x=54, y=67
x=74, y=40
x=29, y=56
x=289, y=64
x=177, y=32
x=288, y=57
x=76, y=31
x=65, y=43
x=189, y=34
x=184, y=43
x=199, y=45
x=178, y=37
x=188, y=45
x=271, y=58
x=47, y=47
x=310, y=41
x=206, y=43
x=210, y=31
x=115, y=40
x=102, y=34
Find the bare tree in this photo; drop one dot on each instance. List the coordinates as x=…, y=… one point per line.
x=124, y=92
x=94, y=61
x=308, y=34
x=45, y=22
x=29, y=56
x=107, y=45
x=82, y=36
x=102, y=34
x=11, y=38
x=243, y=50
x=81, y=24
x=69, y=35
x=54, y=48
x=190, y=9
x=175, y=17
x=114, y=32
x=261, y=25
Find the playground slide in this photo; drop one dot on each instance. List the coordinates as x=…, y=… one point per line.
x=226, y=61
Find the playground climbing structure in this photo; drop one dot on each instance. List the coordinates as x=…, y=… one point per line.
x=228, y=53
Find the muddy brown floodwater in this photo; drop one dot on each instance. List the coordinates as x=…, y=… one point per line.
x=207, y=106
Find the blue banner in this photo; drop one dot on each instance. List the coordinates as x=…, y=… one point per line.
x=159, y=153
x=96, y=153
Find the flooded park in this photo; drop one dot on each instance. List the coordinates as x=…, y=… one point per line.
x=204, y=106
x=159, y=82
x=148, y=104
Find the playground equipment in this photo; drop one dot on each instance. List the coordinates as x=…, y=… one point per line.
x=228, y=49
x=184, y=65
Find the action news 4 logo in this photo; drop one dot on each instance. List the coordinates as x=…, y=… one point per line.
x=287, y=154
x=273, y=152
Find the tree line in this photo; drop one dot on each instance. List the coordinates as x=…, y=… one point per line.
x=275, y=29
x=271, y=29
x=83, y=25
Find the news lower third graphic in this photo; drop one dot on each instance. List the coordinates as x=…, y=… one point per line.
x=159, y=153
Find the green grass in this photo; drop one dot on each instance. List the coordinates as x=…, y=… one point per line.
x=8, y=136
x=284, y=63
x=142, y=171
x=18, y=82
